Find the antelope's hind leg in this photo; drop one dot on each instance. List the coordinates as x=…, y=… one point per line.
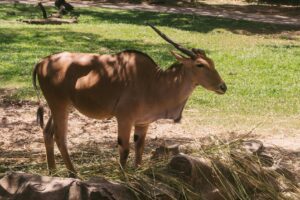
x=60, y=121
x=49, y=144
x=124, y=129
x=139, y=141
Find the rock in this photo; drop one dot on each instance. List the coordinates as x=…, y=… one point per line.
x=199, y=172
x=4, y=121
x=24, y=186
x=252, y=146
x=195, y=171
x=266, y=159
x=165, y=151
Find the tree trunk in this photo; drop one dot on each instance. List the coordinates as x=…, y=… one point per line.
x=43, y=10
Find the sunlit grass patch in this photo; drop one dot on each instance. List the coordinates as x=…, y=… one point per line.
x=260, y=67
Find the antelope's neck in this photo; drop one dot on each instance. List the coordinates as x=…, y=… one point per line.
x=173, y=88
x=175, y=82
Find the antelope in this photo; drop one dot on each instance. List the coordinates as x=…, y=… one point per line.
x=128, y=85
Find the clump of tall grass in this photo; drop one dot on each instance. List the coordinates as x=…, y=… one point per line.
x=213, y=169
x=221, y=170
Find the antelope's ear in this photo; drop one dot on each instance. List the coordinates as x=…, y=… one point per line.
x=179, y=57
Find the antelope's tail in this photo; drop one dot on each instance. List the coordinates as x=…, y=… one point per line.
x=40, y=110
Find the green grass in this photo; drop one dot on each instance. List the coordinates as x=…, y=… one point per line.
x=259, y=62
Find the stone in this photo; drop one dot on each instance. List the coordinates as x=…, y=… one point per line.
x=23, y=186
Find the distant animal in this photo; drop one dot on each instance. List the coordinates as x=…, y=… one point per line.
x=63, y=6
x=128, y=85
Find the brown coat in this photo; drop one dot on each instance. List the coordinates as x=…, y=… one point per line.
x=129, y=86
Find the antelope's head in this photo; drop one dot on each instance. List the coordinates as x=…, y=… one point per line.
x=203, y=69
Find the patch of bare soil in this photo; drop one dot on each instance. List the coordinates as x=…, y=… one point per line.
x=22, y=144
x=259, y=13
x=93, y=141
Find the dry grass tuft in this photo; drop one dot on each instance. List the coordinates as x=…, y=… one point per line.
x=236, y=174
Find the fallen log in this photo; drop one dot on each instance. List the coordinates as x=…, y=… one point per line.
x=57, y=21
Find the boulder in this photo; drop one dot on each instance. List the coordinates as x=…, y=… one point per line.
x=23, y=186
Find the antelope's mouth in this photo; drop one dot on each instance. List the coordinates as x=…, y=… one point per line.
x=220, y=92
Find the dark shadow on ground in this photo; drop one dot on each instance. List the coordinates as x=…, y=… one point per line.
x=276, y=2
x=22, y=146
x=101, y=158
x=37, y=41
x=256, y=9
x=91, y=158
x=187, y=22
x=23, y=149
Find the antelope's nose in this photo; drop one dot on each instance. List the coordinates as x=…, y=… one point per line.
x=223, y=87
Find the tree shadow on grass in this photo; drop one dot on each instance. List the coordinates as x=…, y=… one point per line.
x=15, y=10
x=188, y=22
x=90, y=158
x=41, y=42
x=202, y=24
x=276, y=2
x=61, y=39
x=22, y=147
x=94, y=158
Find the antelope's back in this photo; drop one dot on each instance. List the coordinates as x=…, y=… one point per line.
x=92, y=81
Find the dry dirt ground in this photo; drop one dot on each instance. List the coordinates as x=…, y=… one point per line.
x=91, y=141
x=21, y=141
x=286, y=15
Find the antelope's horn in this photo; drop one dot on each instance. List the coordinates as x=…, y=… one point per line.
x=198, y=51
x=177, y=46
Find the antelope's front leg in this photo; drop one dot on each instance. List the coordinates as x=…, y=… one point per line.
x=139, y=140
x=124, y=129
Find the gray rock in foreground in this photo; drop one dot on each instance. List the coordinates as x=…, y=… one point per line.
x=23, y=186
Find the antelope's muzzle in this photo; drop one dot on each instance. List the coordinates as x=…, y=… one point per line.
x=222, y=88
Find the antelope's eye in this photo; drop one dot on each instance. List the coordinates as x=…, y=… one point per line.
x=200, y=65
